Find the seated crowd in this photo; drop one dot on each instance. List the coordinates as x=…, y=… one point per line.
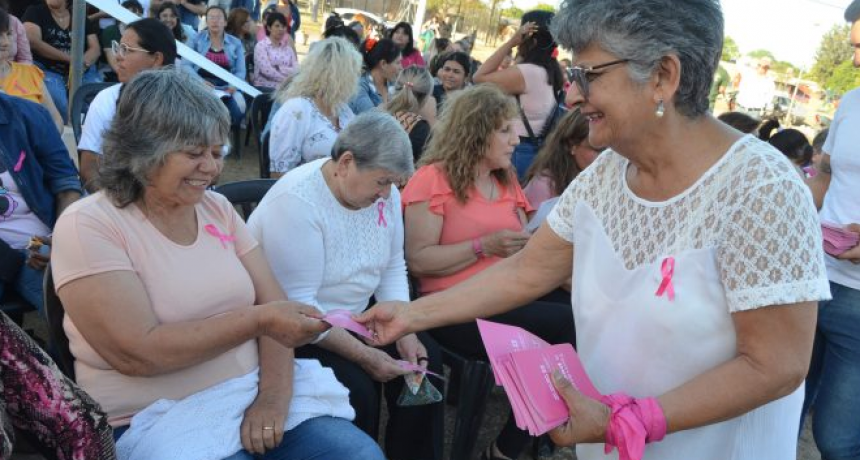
x=436, y=187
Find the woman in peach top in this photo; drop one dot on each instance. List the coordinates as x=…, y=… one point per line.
x=464, y=212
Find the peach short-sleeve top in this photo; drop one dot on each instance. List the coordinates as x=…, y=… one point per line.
x=183, y=283
x=463, y=222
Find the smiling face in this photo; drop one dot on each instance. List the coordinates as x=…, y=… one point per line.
x=168, y=18
x=134, y=61
x=617, y=108
x=502, y=142
x=452, y=75
x=185, y=175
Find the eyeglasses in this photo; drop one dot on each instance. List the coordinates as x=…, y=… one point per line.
x=121, y=49
x=582, y=76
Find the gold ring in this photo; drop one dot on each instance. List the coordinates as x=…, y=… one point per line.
x=268, y=428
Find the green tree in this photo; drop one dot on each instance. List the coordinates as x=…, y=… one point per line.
x=513, y=12
x=833, y=51
x=731, y=52
x=844, y=78
x=760, y=53
x=545, y=7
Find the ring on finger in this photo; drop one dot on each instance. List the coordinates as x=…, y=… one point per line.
x=268, y=428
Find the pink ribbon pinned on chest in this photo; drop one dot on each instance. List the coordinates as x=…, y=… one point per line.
x=223, y=237
x=667, y=270
x=20, y=163
x=381, y=208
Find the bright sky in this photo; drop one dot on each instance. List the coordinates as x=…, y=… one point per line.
x=790, y=29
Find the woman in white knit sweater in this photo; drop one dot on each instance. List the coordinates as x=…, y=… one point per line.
x=332, y=230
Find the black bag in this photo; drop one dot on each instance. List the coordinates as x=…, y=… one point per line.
x=557, y=112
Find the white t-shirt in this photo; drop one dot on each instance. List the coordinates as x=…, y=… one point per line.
x=324, y=254
x=301, y=134
x=842, y=201
x=17, y=221
x=98, y=119
x=755, y=91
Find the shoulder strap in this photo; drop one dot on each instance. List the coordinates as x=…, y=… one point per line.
x=526, y=121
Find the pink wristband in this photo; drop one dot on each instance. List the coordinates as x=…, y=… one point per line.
x=632, y=424
x=478, y=248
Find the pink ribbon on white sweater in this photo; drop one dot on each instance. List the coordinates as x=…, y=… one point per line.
x=381, y=208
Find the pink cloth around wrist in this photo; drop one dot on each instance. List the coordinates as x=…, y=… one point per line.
x=478, y=248
x=632, y=424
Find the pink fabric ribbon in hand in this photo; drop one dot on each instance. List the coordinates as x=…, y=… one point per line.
x=223, y=237
x=381, y=208
x=633, y=423
x=20, y=163
x=407, y=366
x=668, y=271
x=343, y=318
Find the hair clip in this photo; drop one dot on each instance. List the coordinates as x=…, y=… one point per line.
x=410, y=84
x=369, y=44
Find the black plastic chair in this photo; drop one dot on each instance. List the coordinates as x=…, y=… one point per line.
x=14, y=306
x=81, y=103
x=265, y=165
x=258, y=116
x=246, y=194
x=475, y=381
x=59, y=342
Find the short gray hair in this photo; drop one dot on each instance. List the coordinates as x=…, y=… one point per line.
x=158, y=112
x=377, y=141
x=644, y=31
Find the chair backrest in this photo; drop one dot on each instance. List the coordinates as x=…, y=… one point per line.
x=81, y=103
x=59, y=342
x=260, y=108
x=246, y=194
x=265, y=165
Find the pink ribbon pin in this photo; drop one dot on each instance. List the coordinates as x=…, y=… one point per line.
x=224, y=238
x=381, y=208
x=20, y=163
x=668, y=271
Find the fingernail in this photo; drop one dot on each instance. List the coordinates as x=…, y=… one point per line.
x=556, y=375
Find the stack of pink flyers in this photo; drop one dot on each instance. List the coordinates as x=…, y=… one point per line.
x=523, y=364
x=837, y=239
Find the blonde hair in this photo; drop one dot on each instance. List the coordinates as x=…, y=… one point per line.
x=411, y=89
x=329, y=73
x=462, y=135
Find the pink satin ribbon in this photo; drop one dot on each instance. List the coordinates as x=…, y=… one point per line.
x=633, y=423
x=668, y=271
x=407, y=366
x=20, y=163
x=381, y=208
x=224, y=238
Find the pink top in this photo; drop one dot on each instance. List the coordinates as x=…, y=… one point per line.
x=478, y=217
x=538, y=190
x=273, y=64
x=182, y=282
x=537, y=101
x=413, y=59
x=20, y=47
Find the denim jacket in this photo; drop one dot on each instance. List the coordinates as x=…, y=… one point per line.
x=27, y=130
x=366, y=97
x=232, y=47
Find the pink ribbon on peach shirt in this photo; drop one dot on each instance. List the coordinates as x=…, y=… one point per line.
x=381, y=208
x=667, y=269
x=223, y=237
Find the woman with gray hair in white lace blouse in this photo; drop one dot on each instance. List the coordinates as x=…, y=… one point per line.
x=694, y=253
x=332, y=230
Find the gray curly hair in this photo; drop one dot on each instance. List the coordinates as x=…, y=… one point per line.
x=158, y=112
x=644, y=31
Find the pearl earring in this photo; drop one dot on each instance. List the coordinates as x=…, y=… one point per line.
x=661, y=109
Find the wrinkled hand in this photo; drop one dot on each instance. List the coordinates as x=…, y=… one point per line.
x=852, y=255
x=407, y=120
x=588, y=418
x=38, y=259
x=525, y=31
x=410, y=349
x=269, y=410
x=292, y=324
x=380, y=366
x=504, y=243
x=387, y=320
